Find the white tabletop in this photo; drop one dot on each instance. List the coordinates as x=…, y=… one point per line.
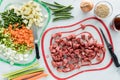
x=106, y=74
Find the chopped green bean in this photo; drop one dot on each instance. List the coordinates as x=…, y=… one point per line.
x=59, y=4
x=60, y=11
x=53, y=5
x=51, y=9
x=9, y=17
x=62, y=18
x=62, y=14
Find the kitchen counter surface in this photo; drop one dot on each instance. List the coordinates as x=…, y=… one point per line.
x=107, y=74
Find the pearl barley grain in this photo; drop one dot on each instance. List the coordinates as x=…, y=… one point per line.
x=102, y=10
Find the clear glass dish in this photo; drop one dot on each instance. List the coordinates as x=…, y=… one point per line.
x=45, y=10
x=75, y=28
x=109, y=5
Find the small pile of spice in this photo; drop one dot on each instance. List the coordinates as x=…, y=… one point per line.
x=102, y=10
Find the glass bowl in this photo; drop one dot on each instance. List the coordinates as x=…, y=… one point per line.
x=115, y=23
x=45, y=10
x=102, y=5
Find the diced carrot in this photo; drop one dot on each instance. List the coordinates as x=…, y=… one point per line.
x=27, y=76
x=38, y=76
x=16, y=25
x=10, y=26
x=21, y=35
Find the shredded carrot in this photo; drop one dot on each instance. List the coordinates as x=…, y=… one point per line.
x=27, y=76
x=38, y=76
x=21, y=35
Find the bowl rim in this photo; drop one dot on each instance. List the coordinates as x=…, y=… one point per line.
x=104, y=2
x=113, y=24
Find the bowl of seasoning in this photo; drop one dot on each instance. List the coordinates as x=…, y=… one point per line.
x=103, y=9
x=116, y=23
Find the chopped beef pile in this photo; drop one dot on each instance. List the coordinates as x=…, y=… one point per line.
x=73, y=51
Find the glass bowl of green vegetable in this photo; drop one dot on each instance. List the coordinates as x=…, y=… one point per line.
x=18, y=15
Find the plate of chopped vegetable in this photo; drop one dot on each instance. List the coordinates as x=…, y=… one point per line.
x=16, y=36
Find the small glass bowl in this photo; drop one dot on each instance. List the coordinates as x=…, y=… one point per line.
x=115, y=26
x=105, y=3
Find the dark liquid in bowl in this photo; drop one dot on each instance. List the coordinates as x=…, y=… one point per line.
x=117, y=23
